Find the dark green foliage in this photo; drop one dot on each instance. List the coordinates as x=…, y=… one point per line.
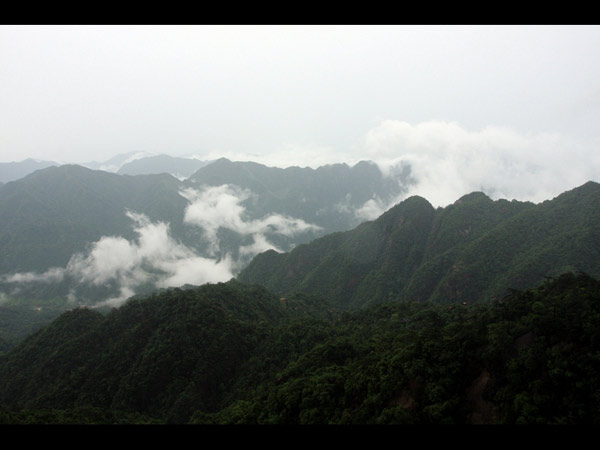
x=236, y=354
x=472, y=250
x=162, y=356
x=21, y=317
x=531, y=357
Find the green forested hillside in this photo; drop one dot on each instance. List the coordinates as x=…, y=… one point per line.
x=479, y=312
x=233, y=353
x=164, y=356
x=21, y=317
x=473, y=249
x=54, y=214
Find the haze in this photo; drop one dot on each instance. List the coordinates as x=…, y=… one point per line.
x=511, y=110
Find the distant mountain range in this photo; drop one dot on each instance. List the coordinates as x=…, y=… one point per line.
x=14, y=170
x=57, y=221
x=114, y=163
x=482, y=311
x=133, y=163
x=72, y=235
x=178, y=167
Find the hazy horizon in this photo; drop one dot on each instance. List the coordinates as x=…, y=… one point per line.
x=511, y=110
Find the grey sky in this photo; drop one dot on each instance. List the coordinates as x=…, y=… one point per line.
x=306, y=95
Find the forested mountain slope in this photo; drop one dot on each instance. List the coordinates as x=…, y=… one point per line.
x=473, y=249
x=171, y=353
x=232, y=353
x=73, y=234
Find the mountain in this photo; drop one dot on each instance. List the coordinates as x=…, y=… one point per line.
x=231, y=353
x=330, y=196
x=116, y=162
x=178, y=167
x=72, y=235
x=473, y=249
x=14, y=170
x=193, y=341
x=53, y=213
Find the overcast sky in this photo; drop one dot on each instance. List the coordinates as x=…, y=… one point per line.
x=473, y=104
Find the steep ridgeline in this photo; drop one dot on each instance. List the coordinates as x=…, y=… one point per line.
x=473, y=249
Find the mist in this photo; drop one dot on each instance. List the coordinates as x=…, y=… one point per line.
x=448, y=161
x=214, y=207
x=153, y=258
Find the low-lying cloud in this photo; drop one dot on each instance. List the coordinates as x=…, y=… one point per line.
x=53, y=275
x=153, y=258
x=448, y=161
x=156, y=259
x=214, y=207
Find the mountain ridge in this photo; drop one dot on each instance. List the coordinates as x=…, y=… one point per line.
x=433, y=258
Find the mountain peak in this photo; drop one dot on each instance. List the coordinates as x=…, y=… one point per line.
x=476, y=196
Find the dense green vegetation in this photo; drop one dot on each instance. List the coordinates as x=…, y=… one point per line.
x=20, y=317
x=471, y=250
x=233, y=353
x=480, y=312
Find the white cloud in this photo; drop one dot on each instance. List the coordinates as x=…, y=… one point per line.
x=155, y=257
x=109, y=258
x=52, y=275
x=195, y=270
x=259, y=245
x=214, y=207
x=449, y=161
x=288, y=155
x=124, y=293
x=372, y=209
